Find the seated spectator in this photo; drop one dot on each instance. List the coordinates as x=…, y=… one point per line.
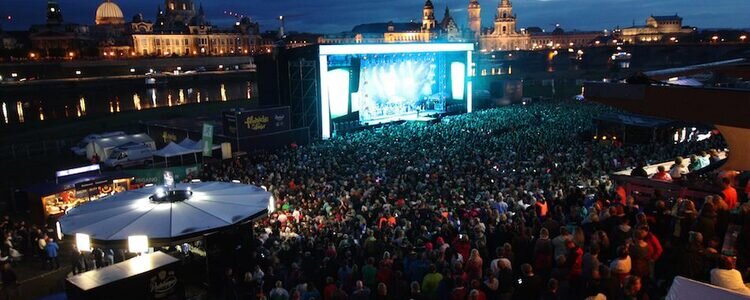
x=678, y=169
x=662, y=175
x=726, y=276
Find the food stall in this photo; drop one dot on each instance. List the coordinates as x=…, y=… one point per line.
x=71, y=189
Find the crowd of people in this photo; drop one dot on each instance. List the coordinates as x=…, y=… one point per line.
x=506, y=203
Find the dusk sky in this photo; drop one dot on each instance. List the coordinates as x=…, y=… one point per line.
x=329, y=16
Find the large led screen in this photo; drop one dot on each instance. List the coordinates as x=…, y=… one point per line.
x=374, y=84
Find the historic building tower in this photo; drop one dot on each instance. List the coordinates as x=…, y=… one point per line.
x=179, y=12
x=428, y=16
x=54, y=14
x=505, y=21
x=475, y=18
x=504, y=36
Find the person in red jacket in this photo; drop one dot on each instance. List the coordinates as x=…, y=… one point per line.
x=729, y=193
x=462, y=246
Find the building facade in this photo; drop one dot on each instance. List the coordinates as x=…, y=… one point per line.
x=657, y=29
x=428, y=30
x=504, y=35
x=180, y=30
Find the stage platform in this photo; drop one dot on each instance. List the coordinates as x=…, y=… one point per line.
x=422, y=116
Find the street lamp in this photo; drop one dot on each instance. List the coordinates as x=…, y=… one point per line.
x=78, y=72
x=71, y=54
x=132, y=70
x=743, y=37
x=715, y=38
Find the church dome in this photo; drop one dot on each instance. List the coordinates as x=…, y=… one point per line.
x=428, y=4
x=109, y=13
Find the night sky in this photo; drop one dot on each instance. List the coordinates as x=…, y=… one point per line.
x=329, y=16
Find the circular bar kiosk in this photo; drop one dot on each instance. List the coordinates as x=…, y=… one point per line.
x=206, y=225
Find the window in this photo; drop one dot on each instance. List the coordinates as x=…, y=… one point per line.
x=186, y=42
x=168, y=43
x=158, y=42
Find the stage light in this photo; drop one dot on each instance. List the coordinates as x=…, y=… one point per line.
x=58, y=231
x=160, y=192
x=138, y=244
x=83, y=242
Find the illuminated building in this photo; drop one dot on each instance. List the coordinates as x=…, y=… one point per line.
x=475, y=19
x=657, y=29
x=428, y=30
x=504, y=36
x=179, y=31
x=559, y=38
x=108, y=13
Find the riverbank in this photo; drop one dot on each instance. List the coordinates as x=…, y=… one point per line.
x=98, y=81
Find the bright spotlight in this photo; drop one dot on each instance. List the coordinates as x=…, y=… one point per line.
x=160, y=192
x=138, y=243
x=83, y=242
x=58, y=230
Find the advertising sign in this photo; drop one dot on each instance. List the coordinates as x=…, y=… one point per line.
x=247, y=123
x=208, y=139
x=156, y=176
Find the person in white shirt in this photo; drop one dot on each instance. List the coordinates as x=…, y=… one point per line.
x=678, y=169
x=726, y=276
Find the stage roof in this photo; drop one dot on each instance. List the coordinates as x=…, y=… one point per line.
x=393, y=48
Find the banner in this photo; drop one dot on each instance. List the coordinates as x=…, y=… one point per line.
x=247, y=123
x=208, y=139
x=156, y=175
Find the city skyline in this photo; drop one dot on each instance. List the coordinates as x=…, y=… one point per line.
x=305, y=16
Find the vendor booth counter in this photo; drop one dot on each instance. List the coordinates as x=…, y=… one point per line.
x=149, y=276
x=52, y=199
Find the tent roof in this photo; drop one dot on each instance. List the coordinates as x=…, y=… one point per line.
x=173, y=149
x=188, y=143
x=123, y=139
x=213, y=205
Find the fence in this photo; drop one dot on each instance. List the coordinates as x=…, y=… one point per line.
x=35, y=149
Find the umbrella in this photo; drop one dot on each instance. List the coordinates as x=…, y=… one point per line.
x=167, y=216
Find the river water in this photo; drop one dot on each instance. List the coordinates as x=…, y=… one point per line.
x=55, y=103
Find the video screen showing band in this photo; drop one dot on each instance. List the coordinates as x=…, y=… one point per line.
x=390, y=87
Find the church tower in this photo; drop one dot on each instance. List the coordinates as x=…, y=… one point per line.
x=428, y=16
x=179, y=12
x=54, y=14
x=475, y=19
x=505, y=20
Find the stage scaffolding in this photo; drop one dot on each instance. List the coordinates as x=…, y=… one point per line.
x=304, y=94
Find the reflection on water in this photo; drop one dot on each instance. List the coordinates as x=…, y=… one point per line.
x=19, y=109
x=58, y=103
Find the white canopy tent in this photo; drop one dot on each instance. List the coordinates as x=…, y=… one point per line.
x=188, y=143
x=211, y=206
x=172, y=150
